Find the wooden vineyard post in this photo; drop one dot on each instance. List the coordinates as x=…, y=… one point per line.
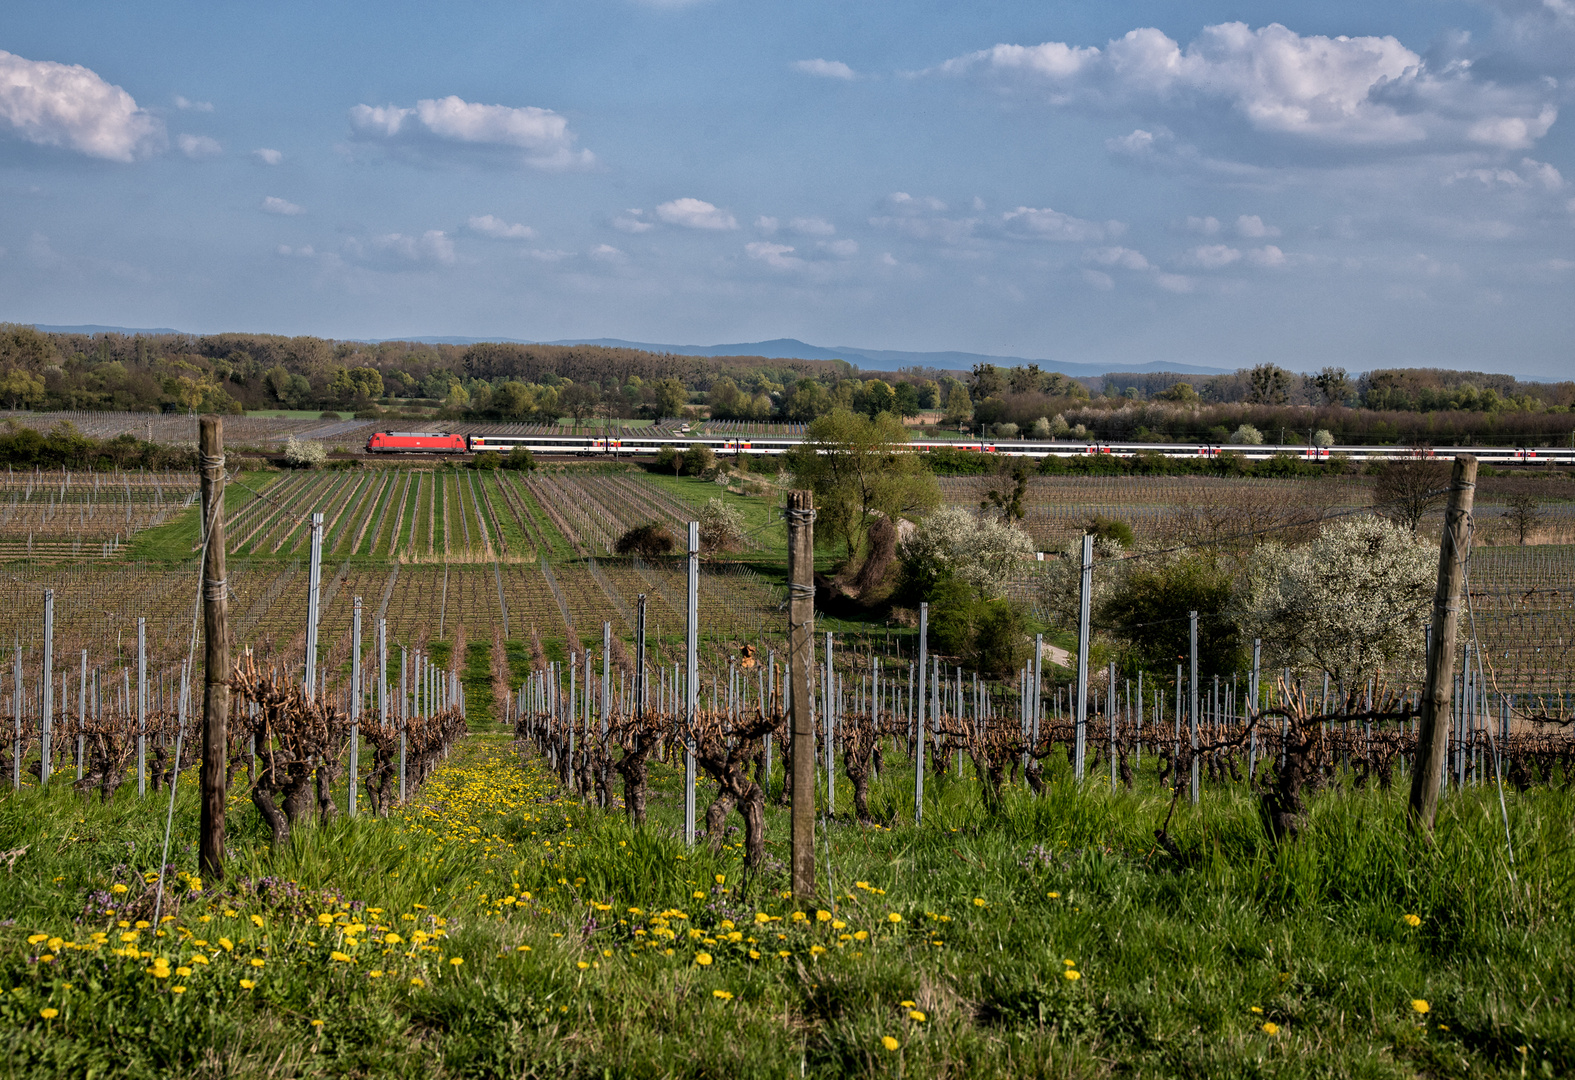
x=47, y=688
x=1085, y=598
x=142, y=707
x=801, y=645
x=216, y=652
x=1192, y=690
x=1437, y=696
x=918, y=726
x=639, y=660
x=355, y=705
x=691, y=681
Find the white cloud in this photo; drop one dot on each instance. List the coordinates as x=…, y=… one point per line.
x=842, y=249
x=1532, y=174
x=1176, y=283
x=1122, y=257
x=920, y=218
x=548, y=255
x=305, y=252
x=498, y=229
x=826, y=69
x=268, y=157
x=1213, y=256
x=185, y=104
x=68, y=106
x=199, y=146
x=1268, y=256
x=1251, y=227
x=888, y=259
x=1099, y=279
x=608, y=254
x=398, y=251
x=632, y=221
x=1054, y=225
x=779, y=256
x=695, y=214
x=812, y=226
x=541, y=135
x=1208, y=226
x=767, y=225
x=1352, y=91
x=272, y=204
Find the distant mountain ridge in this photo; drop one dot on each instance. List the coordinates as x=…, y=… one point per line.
x=775, y=349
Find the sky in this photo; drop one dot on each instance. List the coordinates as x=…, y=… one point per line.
x=1340, y=183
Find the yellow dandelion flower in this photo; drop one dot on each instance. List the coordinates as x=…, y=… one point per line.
x=177, y=989
x=418, y=981
x=1271, y=1028
x=721, y=879
x=894, y=917
x=1412, y=921
x=888, y=1042
x=49, y=1014
x=1072, y=974
x=456, y=960
x=1054, y=895
x=916, y=1015
x=822, y=916
x=247, y=984
x=1420, y=1006
x=256, y=961
x=908, y=1004
x=183, y=971
x=703, y=959
x=317, y=1024
x=722, y=995
x=1256, y=1009
x=978, y=901
x=340, y=957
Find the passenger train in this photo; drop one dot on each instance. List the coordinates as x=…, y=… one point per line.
x=426, y=442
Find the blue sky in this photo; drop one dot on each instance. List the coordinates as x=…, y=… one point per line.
x=1119, y=183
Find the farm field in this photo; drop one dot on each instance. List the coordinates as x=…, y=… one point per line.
x=1030, y=924
x=497, y=922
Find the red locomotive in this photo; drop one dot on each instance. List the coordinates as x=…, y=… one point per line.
x=415, y=442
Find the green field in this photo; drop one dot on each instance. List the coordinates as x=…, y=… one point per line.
x=564, y=943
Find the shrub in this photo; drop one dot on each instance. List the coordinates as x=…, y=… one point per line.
x=953, y=543
x=721, y=526
x=1323, y=437
x=698, y=460
x=1106, y=528
x=648, y=541
x=487, y=460
x=329, y=415
x=1246, y=435
x=520, y=458
x=1006, y=431
x=304, y=453
x=1041, y=428
x=990, y=636
x=1353, y=602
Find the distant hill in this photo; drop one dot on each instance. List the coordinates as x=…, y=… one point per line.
x=775, y=349
x=870, y=359
x=102, y=330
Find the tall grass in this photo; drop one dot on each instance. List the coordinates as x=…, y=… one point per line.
x=1173, y=954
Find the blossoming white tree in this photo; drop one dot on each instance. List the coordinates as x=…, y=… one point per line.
x=1352, y=603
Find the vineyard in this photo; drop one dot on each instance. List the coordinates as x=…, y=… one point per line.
x=474, y=823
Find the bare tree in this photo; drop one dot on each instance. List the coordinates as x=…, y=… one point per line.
x=1410, y=488
x=1523, y=513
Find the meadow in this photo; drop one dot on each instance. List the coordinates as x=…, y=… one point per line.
x=496, y=927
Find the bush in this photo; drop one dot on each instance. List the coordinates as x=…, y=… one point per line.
x=487, y=460
x=520, y=459
x=1106, y=528
x=1323, y=437
x=698, y=460
x=954, y=543
x=990, y=636
x=1006, y=431
x=329, y=415
x=304, y=453
x=649, y=541
x=1041, y=428
x=1246, y=435
x=669, y=459
x=721, y=526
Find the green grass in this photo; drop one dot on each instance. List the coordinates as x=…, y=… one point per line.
x=1173, y=956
